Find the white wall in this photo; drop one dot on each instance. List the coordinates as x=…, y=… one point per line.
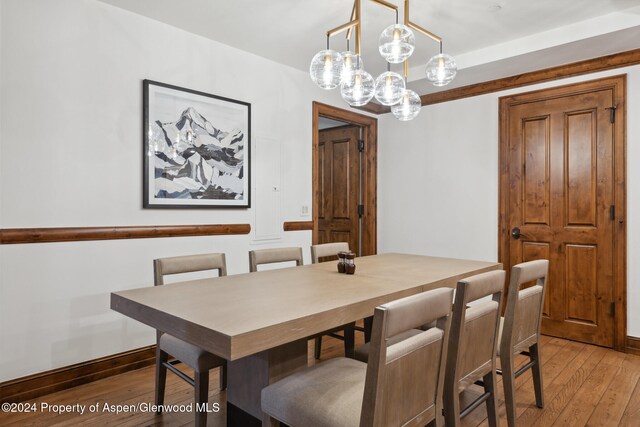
x=444, y=164
x=70, y=136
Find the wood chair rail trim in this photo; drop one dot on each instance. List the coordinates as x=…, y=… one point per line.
x=298, y=225
x=10, y=236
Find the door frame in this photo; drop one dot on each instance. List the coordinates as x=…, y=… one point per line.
x=369, y=170
x=618, y=85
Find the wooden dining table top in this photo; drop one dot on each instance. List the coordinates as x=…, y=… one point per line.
x=243, y=314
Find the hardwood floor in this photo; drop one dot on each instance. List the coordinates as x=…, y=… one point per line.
x=583, y=385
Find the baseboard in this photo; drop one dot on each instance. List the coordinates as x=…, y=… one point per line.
x=633, y=345
x=36, y=385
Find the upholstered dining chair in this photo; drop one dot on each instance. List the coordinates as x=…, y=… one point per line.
x=325, y=250
x=472, y=347
x=196, y=358
x=400, y=385
x=270, y=256
x=520, y=331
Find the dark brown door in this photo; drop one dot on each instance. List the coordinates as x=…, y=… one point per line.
x=561, y=207
x=338, y=196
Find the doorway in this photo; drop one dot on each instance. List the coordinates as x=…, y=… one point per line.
x=562, y=198
x=344, y=178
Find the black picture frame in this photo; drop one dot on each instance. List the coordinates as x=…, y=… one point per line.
x=196, y=150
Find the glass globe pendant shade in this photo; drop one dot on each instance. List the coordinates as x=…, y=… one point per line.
x=359, y=90
x=389, y=88
x=408, y=107
x=352, y=62
x=326, y=69
x=396, y=43
x=441, y=69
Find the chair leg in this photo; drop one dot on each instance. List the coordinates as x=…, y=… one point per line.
x=267, y=421
x=201, y=380
x=508, y=382
x=318, y=347
x=490, y=386
x=536, y=372
x=368, y=325
x=439, y=420
x=349, y=340
x=161, y=376
x=223, y=377
x=451, y=406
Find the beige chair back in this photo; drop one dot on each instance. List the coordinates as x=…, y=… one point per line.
x=474, y=330
x=523, y=313
x=327, y=249
x=188, y=264
x=404, y=381
x=270, y=256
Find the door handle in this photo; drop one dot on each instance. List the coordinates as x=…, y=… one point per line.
x=515, y=233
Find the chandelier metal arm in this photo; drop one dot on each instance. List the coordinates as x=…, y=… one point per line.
x=343, y=27
x=408, y=23
x=355, y=21
x=354, y=15
x=349, y=26
x=423, y=31
x=386, y=4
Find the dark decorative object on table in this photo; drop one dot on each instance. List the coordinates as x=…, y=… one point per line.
x=350, y=266
x=342, y=261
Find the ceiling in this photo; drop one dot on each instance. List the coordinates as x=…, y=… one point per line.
x=489, y=38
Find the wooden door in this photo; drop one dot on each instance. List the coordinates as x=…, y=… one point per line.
x=561, y=193
x=338, y=195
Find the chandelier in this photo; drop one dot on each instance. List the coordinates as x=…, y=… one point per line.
x=330, y=69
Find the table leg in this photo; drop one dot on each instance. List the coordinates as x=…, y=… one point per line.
x=249, y=375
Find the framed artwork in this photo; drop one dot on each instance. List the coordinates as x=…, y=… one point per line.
x=196, y=149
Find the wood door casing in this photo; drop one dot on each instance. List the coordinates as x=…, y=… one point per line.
x=560, y=180
x=369, y=166
x=339, y=179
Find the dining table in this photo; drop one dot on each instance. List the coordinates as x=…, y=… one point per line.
x=260, y=322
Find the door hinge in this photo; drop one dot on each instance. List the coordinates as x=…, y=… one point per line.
x=360, y=211
x=612, y=212
x=361, y=145
x=612, y=309
x=612, y=113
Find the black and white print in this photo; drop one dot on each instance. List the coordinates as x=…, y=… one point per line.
x=196, y=148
